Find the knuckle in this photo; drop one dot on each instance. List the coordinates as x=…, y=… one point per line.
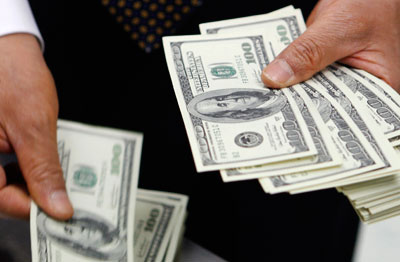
x=42, y=173
x=29, y=129
x=307, y=54
x=40, y=122
x=43, y=118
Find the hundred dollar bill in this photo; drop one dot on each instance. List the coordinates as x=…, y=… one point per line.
x=155, y=219
x=282, y=27
x=377, y=83
x=378, y=205
x=379, y=199
x=386, y=201
x=286, y=24
x=382, y=207
x=344, y=182
x=180, y=201
x=383, y=110
x=369, y=219
x=100, y=167
x=356, y=110
x=357, y=152
x=231, y=118
x=380, y=86
x=369, y=190
x=374, y=192
x=328, y=154
x=363, y=192
x=377, y=208
x=395, y=141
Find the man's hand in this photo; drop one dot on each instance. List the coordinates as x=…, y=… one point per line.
x=361, y=33
x=28, y=127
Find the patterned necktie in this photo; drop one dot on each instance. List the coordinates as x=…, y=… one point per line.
x=148, y=20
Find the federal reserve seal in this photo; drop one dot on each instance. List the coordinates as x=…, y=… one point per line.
x=248, y=139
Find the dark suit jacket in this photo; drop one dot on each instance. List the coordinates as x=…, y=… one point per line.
x=103, y=78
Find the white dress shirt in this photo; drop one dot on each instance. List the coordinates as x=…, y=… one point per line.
x=16, y=17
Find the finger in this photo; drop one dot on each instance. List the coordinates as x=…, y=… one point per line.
x=37, y=155
x=317, y=10
x=3, y=178
x=14, y=200
x=378, y=67
x=323, y=43
x=5, y=146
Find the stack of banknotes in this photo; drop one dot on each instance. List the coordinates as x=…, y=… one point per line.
x=339, y=129
x=113, y=219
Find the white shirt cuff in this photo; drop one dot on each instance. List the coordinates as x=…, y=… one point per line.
x=16, y=17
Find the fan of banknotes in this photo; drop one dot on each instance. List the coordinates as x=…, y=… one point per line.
x=339, y=129
x=113, y=219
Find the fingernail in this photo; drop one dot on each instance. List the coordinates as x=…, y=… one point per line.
x=60, y=203
x=279, y=72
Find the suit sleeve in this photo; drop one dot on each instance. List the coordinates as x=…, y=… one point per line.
x=16, y=17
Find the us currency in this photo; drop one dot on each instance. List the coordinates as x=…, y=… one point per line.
x=282, y=27
x=368, y=217
x=380, y=86
x=158, y=221
x=379, y=205
x=377, y=199
x=100, y=168
x=362, y=194
x=357, y=153
x=377, y=83
x=355, y=109
x=372, y=189
x=382, y=109
x=181, y=201
x=395, y=141
x=328, y=154
x=231, y=119
x=381, y=101
x=175, y=243
x=286, y=24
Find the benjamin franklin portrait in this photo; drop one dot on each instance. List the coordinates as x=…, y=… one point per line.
x=237, y=105
x=86, y=234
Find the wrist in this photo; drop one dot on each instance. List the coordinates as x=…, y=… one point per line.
x=21, y=50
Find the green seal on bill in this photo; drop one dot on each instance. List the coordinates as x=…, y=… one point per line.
x=223, y=71
x=85, y=177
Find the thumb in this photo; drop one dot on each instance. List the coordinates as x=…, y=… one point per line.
x=37, y=154
x=318, y=47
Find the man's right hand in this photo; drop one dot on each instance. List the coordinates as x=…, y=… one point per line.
x=28, y=127
x=364, y=34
